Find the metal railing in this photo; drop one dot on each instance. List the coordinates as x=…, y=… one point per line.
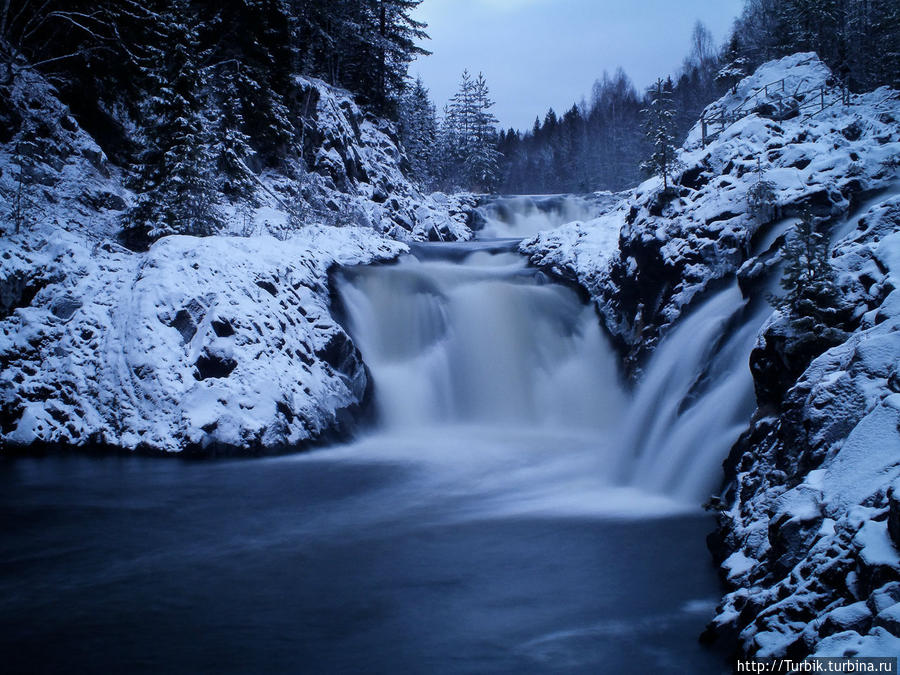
x=816, y=98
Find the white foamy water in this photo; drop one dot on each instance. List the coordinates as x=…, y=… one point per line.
x=505, y=385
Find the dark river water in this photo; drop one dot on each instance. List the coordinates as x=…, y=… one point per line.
x=319, y=565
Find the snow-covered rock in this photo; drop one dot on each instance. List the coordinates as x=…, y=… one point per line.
x=578, y=251
x=356, y=173
x=673, y=246
x=218, y=343
x=834, y=443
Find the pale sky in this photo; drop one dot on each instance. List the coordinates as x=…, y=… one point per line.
x=538, y=54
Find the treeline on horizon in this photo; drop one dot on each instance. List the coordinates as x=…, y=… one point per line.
x=599, y=144
x=195, y=97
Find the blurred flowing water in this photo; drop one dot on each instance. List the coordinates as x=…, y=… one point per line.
x=513, y=508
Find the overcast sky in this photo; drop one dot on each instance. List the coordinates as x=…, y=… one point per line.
x=538, y=54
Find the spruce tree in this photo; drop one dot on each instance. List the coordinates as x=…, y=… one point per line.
x=761, y=197
x=418, y=133
x=733, y=64
x=175, y=185
x=483, y=159
x=233, y=148
x=808, y=280
x=659, y=119
x=459, y=123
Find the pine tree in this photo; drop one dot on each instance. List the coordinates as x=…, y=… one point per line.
x=267, y=52
x=483, y=160
x=808, y=280
x=457, y=130
x=733, y=64
x=233, y=147
x=175, y=183
x=659, y=117
x=396, y=45
x=418, y=133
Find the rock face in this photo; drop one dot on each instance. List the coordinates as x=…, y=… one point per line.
x=811, y=503
x=355, y=166
x=674, y=246
x=809, y=530
x=223, y=343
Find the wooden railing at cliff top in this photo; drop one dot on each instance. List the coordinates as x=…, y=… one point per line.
x=814, y=100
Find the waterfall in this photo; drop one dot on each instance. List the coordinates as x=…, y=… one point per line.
x=467, y=336
x=525, y=216
x=483, y=341
x=694, y=399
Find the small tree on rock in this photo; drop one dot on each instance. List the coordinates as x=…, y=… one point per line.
x=761, y=197
x=808, y=280
x=659, y=125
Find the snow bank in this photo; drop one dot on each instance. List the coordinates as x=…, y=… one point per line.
x=219, y=341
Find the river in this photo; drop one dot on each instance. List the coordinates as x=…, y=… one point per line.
x=512, y=507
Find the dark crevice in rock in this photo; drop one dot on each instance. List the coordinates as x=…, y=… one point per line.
x=213, y=366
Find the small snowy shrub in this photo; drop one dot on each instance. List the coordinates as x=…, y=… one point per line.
x=761, y=198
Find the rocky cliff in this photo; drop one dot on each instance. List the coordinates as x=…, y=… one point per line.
x=808, y=533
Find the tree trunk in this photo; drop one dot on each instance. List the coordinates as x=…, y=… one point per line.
x=382, y=58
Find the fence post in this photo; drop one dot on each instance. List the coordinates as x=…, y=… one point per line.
x=822, y=94
x=703, y=128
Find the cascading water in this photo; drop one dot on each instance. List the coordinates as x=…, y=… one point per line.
x=520, y=217
x=482, y=365
x=484, y=341
x=465, y=337
x=694, y=400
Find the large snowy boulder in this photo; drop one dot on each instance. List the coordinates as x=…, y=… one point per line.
x=215, y=343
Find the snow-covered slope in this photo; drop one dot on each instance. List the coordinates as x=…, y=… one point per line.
x=672, y=247
x=809, y=535
x=222, y=342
